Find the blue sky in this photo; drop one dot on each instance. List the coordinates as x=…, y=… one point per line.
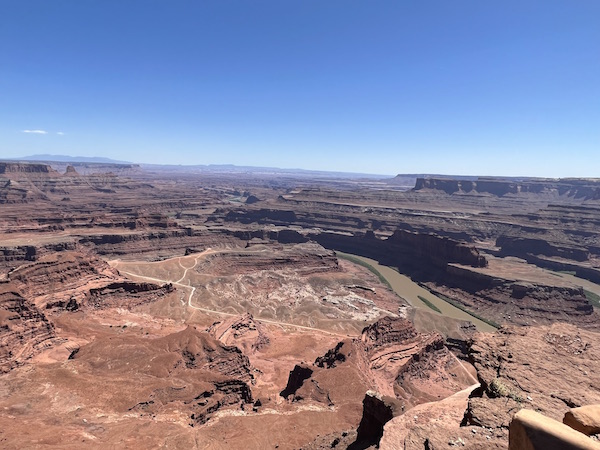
x=459, y=87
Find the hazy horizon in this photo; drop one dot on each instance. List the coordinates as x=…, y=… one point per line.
x=390, y=88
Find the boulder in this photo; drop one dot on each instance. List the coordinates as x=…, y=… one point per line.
x=530, y=430
x=585, y=419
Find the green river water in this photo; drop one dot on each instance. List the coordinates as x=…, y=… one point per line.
x=410, y=291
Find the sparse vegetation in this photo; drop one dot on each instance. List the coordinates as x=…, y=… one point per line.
x=568, y=272
x=498, y=388
x=593, y=298
x=429, y=304
x=365, y=264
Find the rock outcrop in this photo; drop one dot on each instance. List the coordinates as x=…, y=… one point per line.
x=127, y=294
x=299, y=374
x=72, y=280
x=188, y=370
x=438, y=425
x=24, y=329
x=392, y=358
x=70, y=171
x=548, y=368
x=377, y=411
x=504, y=299
x=243, y=332
x=585, y=419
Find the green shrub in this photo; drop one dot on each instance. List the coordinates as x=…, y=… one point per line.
x=429, y=304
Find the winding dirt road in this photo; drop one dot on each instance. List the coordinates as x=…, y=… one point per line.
x=179, y=283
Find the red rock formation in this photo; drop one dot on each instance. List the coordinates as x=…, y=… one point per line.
x=521, y=247
x=209, y=375
x=24, y=329
x=439, y=249
x=585, y=419
x=395, y=360
x=504, y=300
x=243, y=332
x=549, y=369
x=124, y=294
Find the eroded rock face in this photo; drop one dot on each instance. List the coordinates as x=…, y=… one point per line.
x=199, y=350
x=402, y=361
x=392, y=358
x=126, y=294
x=70, y=171
x=305, y=258
x=399, y=367
x=34, y=294
x=53, y=276
x=187, y=370
x=439, y=249
x=507, y=301
x=437, y=425
x=72, y=280
x=298, y=375
x=377, y=411
x=522, y=247
x=243, y=331
x=549, y=369
x=24, y=329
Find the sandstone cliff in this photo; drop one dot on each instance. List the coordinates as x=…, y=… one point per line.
x=24, y=329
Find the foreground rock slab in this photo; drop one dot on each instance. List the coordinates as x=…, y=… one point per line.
x=530, y=430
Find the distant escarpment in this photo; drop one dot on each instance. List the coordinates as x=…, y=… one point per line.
x=520, y=246
x=155, y=240
x=8, y=169
x=583, y=189
x=440, y=249
x=28, y=183
x=407, y=249
x=582, y=261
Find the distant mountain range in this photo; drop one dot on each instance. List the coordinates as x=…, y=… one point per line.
x=231, y=168
x=66, y=158
x=213, y=168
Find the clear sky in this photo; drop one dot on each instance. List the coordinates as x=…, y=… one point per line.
x=459, y=87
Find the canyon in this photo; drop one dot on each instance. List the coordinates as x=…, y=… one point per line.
x=163, y=307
